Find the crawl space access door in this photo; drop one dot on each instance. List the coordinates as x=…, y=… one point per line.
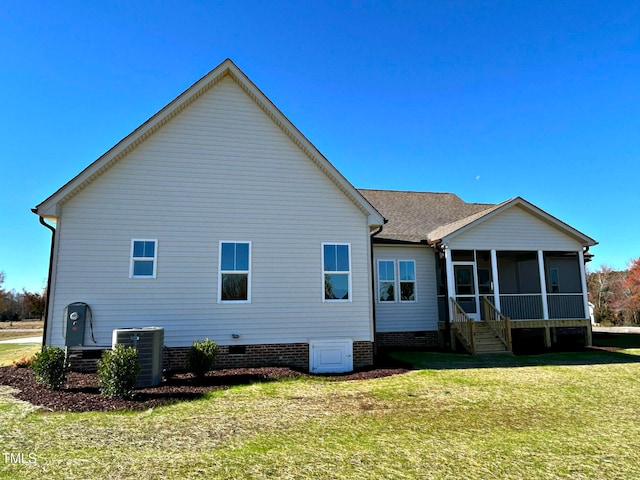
x=330, y=356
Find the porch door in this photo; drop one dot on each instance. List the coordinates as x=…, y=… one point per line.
x=464, y=275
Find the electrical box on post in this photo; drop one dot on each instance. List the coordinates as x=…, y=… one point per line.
x=76, y=317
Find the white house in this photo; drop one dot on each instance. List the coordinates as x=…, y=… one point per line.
x=217, y=218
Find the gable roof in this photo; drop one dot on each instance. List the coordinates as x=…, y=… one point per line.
x=451, y=230
x=425, y=217
x=50, y=208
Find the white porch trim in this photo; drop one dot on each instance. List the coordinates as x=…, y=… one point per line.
x=583, y=279
x=496, y=280
x=543, y=285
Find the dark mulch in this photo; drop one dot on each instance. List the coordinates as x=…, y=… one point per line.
x=81, y=394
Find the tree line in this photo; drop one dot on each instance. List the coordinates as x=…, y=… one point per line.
x=615, y=294
x=20, y=305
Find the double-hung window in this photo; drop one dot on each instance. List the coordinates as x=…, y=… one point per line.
x=234, y=278
x=143, y=258
x=336, y=261
x=386, y=281
x=407, y=276
x=396, y=285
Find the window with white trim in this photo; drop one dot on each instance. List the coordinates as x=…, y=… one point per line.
x=336, y=262
x=234, y=277
x=143, y=258
x=386, y=280
x=555, y=282
x=407, y=277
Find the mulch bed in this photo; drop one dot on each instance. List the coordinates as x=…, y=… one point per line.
x=81, y=394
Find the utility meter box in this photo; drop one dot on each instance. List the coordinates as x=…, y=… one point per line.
x=76, y=316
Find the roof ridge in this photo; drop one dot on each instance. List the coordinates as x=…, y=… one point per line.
x=405, y=191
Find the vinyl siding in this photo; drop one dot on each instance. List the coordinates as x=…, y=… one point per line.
x=514, y=229
x=409, y=317
x=220, y=170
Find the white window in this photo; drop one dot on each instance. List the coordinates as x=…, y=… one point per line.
x=143, y=258
x=396, y=285
x=234, y=277
x=336, y=261
x=407, y=277
x=386, y=281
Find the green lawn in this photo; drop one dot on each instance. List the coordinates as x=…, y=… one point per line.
x=570, y=416
x=13, y=351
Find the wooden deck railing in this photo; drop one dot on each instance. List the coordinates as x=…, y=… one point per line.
x=463, y=326
x=500, y=324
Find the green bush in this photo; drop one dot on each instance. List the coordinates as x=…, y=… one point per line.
x=202, y=357
x=51, y=367
x=118, y=371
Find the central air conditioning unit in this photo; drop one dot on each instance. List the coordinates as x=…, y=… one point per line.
x=149, y=341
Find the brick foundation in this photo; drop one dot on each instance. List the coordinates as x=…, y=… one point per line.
x=294, y=355
x=423, y=340
x=84, y=360
x=362, y=354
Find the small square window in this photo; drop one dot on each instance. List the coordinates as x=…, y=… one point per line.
x=143, y=259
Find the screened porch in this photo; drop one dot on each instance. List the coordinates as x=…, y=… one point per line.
x=523, y=285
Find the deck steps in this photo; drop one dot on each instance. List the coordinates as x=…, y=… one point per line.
x=486, y=340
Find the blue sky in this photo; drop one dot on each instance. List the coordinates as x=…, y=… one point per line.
x=489, y=100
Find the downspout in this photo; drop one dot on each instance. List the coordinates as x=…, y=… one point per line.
x=49, y=275
x=373, y=286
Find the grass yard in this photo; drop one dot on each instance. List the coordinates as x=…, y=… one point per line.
x=22, y=325
x=13, y=351
x=11, y=330
x=569, y=416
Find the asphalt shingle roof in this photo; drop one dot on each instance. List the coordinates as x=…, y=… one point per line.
x=418, y=216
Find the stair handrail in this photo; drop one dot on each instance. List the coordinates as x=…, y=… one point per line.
x=499, y=323
x=463, y=325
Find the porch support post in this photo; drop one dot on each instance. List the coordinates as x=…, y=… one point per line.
x=583, y=281
x=451, y=289
x=547, y=336
x=496, y=281
x=543, y=285
x=585, y=298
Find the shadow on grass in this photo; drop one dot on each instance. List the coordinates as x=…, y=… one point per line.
x=608, y=349
x=616, y=340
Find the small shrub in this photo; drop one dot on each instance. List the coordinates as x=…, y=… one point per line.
x=51, y=367
x=202, y=357
x=23, y=362
x=118, y=371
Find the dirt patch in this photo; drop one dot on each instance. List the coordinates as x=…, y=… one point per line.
x=81, y=393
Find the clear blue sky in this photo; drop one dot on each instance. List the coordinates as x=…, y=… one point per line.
x=486, y=99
